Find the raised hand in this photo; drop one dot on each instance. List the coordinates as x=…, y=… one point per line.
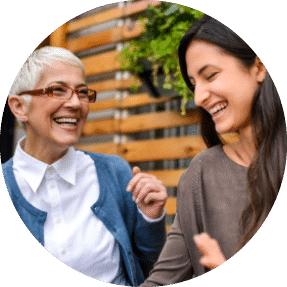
x=149, y=193
x=212, y=255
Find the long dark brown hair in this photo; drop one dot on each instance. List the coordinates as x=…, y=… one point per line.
x=266, y=170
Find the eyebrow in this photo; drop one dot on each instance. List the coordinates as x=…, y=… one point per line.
x=65, y=84
x=201, y=70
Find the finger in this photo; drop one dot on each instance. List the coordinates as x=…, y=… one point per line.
x=202, y=242
x=139, y=188
x=205, y=261
x=155, y=197
x=136, y=170
x=147, y=185
x=133, y=182
x=142, y=192
x=149, y=190
x=137, y=177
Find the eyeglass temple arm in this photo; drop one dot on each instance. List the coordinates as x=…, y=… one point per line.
x=34, y=92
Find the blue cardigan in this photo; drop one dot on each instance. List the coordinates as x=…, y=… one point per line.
x=140, y=242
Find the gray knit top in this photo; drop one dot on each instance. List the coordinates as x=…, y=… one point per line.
x=211, y=197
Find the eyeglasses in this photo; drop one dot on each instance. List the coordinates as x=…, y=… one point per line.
x=65, y=93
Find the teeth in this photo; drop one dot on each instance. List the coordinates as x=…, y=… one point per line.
x=66, y=120
x=218, y=108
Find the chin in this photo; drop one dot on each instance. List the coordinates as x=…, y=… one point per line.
x=222, y=131
x=68, y=143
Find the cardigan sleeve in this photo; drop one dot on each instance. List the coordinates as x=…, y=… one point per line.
x=148, y=240
x=147, y=237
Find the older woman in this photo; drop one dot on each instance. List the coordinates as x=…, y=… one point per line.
x=76, y=203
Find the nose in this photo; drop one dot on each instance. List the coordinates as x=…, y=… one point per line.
x=74, y=101
x=201, y=95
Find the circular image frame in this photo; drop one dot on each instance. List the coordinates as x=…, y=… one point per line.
x=265, y=235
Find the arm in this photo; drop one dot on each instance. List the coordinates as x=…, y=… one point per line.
x=179, y=257
x=174, y=264
x=150, y=196
x=147, y=237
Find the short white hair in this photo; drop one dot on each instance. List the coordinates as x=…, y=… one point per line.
x=32, y=70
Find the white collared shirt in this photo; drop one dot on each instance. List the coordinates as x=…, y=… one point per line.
x=66, y=190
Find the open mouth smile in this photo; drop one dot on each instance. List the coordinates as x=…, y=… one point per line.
x=66, y=121
x=214, y=111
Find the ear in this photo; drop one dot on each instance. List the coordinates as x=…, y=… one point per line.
x=260, y=70
x=19, y=108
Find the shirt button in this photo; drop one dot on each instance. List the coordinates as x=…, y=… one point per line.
x=59, y=220
x=52, y=185
x=64, y=251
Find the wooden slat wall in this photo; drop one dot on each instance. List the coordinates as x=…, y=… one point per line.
x=142, y=122
x=115, y=13
x=148, y=132
x=105, y=37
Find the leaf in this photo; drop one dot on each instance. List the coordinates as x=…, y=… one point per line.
x=164, y=27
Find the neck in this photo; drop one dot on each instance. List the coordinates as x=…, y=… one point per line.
x=46, y=154
x=243, y=151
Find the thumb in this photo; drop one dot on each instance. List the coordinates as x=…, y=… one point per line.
x=136, y=170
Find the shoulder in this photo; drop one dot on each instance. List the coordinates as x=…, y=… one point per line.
x=107, y=159
x=209, y=159
x=113, y=163
x=7, y=164
x=7, y=168
x=209, y=155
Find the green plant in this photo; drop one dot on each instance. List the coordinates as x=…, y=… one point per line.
x=158, y=44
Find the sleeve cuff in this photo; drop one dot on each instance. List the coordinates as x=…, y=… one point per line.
x=151, y=220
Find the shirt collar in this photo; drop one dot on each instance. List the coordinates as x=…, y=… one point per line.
x=66, y=166
x=34, y=170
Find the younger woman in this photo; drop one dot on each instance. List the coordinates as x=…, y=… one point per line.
x=229, y=189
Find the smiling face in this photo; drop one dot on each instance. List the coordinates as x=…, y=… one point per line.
x=53, y=125
x=222, y=85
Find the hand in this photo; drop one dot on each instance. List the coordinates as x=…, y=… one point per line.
x=149, y=193
x=212, y=255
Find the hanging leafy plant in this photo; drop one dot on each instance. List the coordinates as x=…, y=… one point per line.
x=164, y=27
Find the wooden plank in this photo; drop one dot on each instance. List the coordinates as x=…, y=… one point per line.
x=113, y=84
x=169, y=178
x=101, y=63
x=105, y=37
x=167, y=148
x=160, y=120
x=111, y=14
x=99, y=127
x=58, y=37
x=170, y=206
x=138, y=123
x=162, y=149
x=129, y=102
x=144, y=99
x=104, y=105
x=106, y=148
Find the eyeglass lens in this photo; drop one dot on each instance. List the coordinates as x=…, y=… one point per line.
x=62, y=92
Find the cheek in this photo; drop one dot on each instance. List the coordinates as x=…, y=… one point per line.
x=85, y=111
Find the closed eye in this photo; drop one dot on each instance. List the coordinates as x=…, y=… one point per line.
x=57, y=88
x=83, y=92
x=211, y=76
